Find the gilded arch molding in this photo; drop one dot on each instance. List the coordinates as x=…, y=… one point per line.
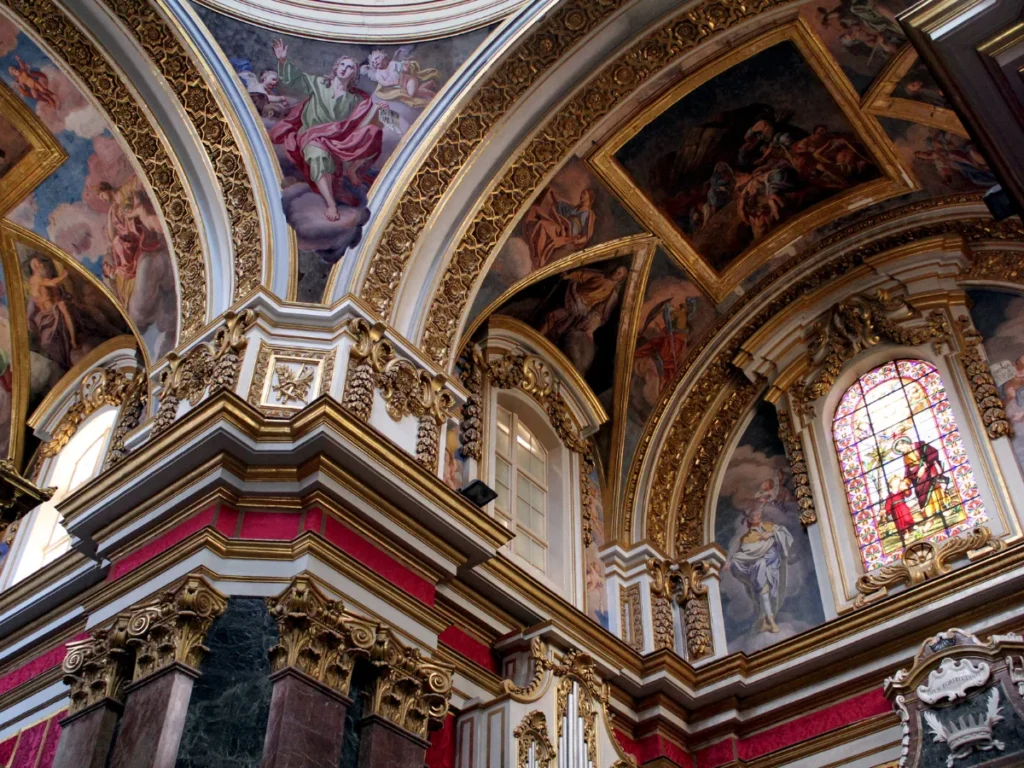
x=535, y=54
x=549, y=146
x=722, y=388
x=156, y=37
x=75, y=48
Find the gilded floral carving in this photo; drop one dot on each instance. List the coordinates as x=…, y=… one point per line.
x=983, y=386
x=794, y=448
x=683, y=583
x=97, y=388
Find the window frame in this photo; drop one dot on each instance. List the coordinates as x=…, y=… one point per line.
x=512, y=518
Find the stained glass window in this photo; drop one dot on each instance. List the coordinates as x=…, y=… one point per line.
x=903, y=461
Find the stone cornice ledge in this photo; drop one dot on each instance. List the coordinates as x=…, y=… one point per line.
x=225, y=424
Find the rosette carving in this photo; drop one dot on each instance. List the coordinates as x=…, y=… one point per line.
x=172, y=628
x=317, y=636
x=98, y=667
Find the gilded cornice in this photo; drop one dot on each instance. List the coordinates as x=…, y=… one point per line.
x=719, y=370
x=51, y=24
x=157, y=39
x=513, y=77
x=553, y=142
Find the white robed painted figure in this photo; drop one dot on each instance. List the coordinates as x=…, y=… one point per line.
x=760, y=564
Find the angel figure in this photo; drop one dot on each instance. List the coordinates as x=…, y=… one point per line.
x=31, y=83
x=400, y=78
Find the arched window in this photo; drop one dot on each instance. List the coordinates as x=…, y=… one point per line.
x=520, y=478
x=903, y=461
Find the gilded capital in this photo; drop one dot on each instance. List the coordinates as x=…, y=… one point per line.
x=171, y=629
x=317, y=636
x=410, y=691
x=98, y=667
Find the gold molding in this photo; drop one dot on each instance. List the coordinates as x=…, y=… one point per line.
x=104, y=83
x=682, y=582
x=983, y=386
x=147, y=26
x=45, y=153
x=631, y=618
x=880, y=102
x=717, y=284
x=512, y=78
x=533, y=730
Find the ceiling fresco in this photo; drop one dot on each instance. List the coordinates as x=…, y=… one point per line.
x=333, y=114
x=94, y=206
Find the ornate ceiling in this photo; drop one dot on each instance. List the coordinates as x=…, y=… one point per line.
x=644, y=201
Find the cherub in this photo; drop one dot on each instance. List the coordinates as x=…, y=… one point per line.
x=400, y=78
x=31, y=83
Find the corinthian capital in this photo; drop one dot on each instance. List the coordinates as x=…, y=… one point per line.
x=98, y=667
x=317, y=636
x=171, y=629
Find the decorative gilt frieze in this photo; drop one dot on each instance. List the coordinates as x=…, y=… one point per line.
x=794, y=448
x=317, y=636
x=98, y=667
x=97, y=388
x=855, y=324
x=171, y=629
x=207, y=367
x=288, y=378
x=517, y=72
x=1005, y=265
x=51, y=24
x=533, y=747
x=983, y=386
x=141, y=19
x=683, y=583
x=924, y=560
x=132, y=411
x=405, y=388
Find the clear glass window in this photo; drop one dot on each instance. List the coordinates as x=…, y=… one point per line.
x=520, y=478
x=903, y=461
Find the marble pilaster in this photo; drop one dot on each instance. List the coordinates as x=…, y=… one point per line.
x=86, y=737
x=154, y=717
x=306, y=728
x=382, y=744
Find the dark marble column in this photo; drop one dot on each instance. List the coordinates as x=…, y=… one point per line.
x=86, y=737
x=382, y=744
x=154, y=717
x=306, y=728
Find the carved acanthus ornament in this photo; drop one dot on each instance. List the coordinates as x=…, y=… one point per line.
x=983, y=386
x=471, y=427
x=406, y=389
x=631, y=618
x=1005, y=265
x=532, y=733
x=853, y=325
x=192, y=88
x=798, y=468
x=97, y=388
x=171, y=629
x=132, y=411
x=98, y=667
x=18, y=495
x=207, y=367
x=410, y=691
x=141, y=641
x=49, y=22
x=683, y=583
x=924, y=560
x=317, y=636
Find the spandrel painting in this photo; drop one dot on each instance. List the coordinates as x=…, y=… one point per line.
x=903, y=461
x=742, y=154
x=674, y=315
x=333, y=113
x=919, y=85
x=999, y=318
x=579, y=311
x=6, y=369
x=769, y=587
x=574, y=212
x=943, y=162
x=594, y=576
x=862, y=35
x=94, y=206
x=68, y=316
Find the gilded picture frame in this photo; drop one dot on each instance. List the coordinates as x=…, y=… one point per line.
x=44, y=157
x=893, y=180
